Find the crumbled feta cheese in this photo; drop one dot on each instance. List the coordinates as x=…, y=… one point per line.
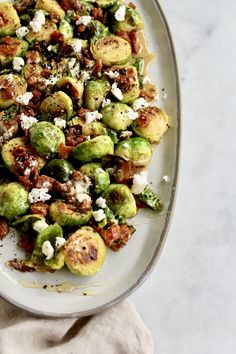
x=48, y=250
x=51, y=81
x=82, y=186
x=92, y=116
x=83, y=197
x=49, y=48
x=88, y=137
x=84, y=20
x=33, y=162
x=164, y=95
x=47, y=184
x=18, y=63
x=112, y=74
x=105, y=102
x=60, y=242
x=38, y=21
x=24, y=99
x=22, y=32
x=146, y=80
x=120, y=13
x=38, y=195
x=27, y=121
x=126, y=134
x=132, y=114
x=77, y=45
x=71, y=63
x=140, y=103
x=166, y=179
x=85, y=75
x=40, y=225
x=99, y=215
x=139, y=182
x=101, y=202
x=75, y=71
x=59, y=122
x=27, y=171
x=116, y=91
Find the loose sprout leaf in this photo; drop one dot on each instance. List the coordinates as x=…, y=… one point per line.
x=151, y=199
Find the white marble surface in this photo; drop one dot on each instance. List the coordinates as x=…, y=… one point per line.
x=189, y=301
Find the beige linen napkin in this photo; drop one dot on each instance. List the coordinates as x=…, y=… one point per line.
x=118, y=330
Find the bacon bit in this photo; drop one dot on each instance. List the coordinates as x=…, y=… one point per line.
x=8, y=46
x=98, y=67
x=20, y=265
x=40, y=208
x=65, y=151
x=147, y=95
x=32, y=57
x=125, y=172
x=81, y=28
x=97, y=14
x=132, y=6
x=22, y=5
x=36, y=96
x=4, y=228
x=70, y=5
x=7, y=89
x=23, y=159
x=82, y=112
x=76, y=175
x=123, y=35
x=116, y=236
x=135, y=45
x=74, y=137
x=26, y=243
x=26, y=182
x=140, y=204
x=57, y=37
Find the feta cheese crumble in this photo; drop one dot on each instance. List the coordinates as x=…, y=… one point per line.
x=105, y=102
x=92, y=116
x=83, y=197
x=51, y=81
x=82, y=186
x=146, y=80
x=18, y=63
x=48, y=250
x=38, y=195
x=40, y=225
x=22, y=32
x=116, y=92
x=49, y=48
x=101, y=202
x=120, y=13
x=77, y=45
x=166, y=179
x=60, y=242
x=60, y=123
x=132, y=114
x=99, y=215
x=140, y=103
x=24, y=99
x=38, y=21
x=126, y=134
x=27, y=121
x=84, y=20
x=139, y=182
x=112, y=74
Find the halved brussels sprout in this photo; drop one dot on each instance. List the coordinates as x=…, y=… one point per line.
x=10, y=160
x=93, y=129
x=137, y=150
x=94, y=149
x=67, y=214
x=66, y=29
x=52, y=7
x=46, y=138
x=10, y=21
x=99, y=177
x=106, y=3
x=95, y=29
x=11, y=48
x=151, y=199
x=59, y=104
x=14, y=84
x=25, y=223
x=152, y=124
x=120, y=200
x=44, y=35
x=128, y=82
x=33, y=72
x=13, y=200
x=116, y=116
x=60, y=170
x=51, y=233
x=85, y=252
x=132, y=21
x=74, y=87
x=95, y=92
x=112, y=50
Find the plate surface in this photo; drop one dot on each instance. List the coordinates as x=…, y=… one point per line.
x=122, y=272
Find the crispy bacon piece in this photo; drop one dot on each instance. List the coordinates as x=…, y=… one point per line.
x=132, y=6
x=125, y=172
x=98, y=67
x=26, y=243
x=65, y=151
x=9, y=46
x=26, y=182
x=39, y=208
x=147, y=95
x=97, y=14
x=74, y=137
x=4, y=228
x=133, y=39
x=20, y=265
x=70, y=5
x=123, y=35
x=23, y=160
x=81, y=28
x=57, y=37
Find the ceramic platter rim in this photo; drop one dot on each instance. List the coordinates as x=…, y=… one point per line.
x=167, y=222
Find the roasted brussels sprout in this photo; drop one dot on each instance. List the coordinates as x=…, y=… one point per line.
x=106, y=3
x=66, y=29
x=132, y=21
x=25, y=223
x=152, y=124
x=9, y=158
x=112, y=50
x=60, y=170
x=95, y=92
x=13, y=83
x=44, y=35
x=11, y=48
x=85, y=252
x=74, y=88
x=10, y=21
x=94, y=149
x=94, y=30
x=52, y=7
x=59, y=104
x=116, y=116
x=99, y=177
x=93, y=129
x=137, y=150
x=120, y=200
x=151, y=199
x=13, y=200
x=46, y=138
x=51, y=234
x=67, y=215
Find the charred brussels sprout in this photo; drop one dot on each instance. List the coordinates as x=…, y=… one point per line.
x=60, y=170
x=44, y=35
x=10, y=21
x=85, y=252
x=11, y=48
x=67, y=215
x=100, y=177
x=112, y=50
x=74, y=88
x=13, y=200
x=94, y=149
x=116, y=116
x=46, y=138
x=13, y=83
x=152, y=124
x=59, y=104
x=132, y=21
x=120, y=200
x=52, y=7
x=95, y=92
x=93, y=129
x=137, y=150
